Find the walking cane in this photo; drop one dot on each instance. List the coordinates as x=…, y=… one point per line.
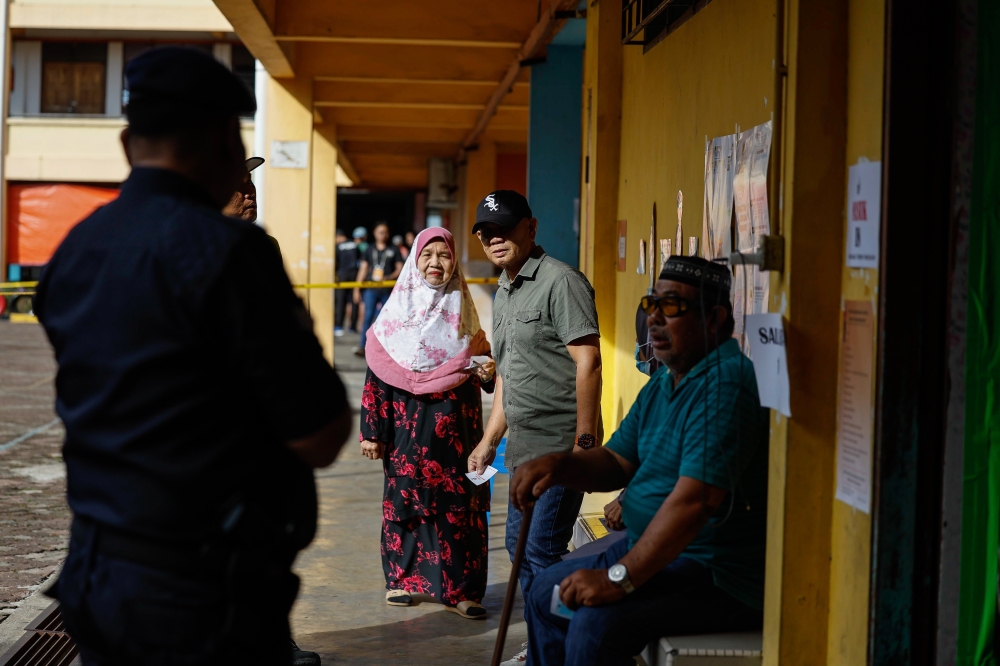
x=515, y=570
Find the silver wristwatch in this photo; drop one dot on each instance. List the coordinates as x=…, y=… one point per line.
x=618, y=575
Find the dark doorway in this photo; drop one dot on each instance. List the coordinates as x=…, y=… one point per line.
x=364, y=208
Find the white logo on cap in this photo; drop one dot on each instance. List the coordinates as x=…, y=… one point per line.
x=492, y=205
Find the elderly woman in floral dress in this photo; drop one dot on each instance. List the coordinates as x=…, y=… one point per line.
x=422, y=416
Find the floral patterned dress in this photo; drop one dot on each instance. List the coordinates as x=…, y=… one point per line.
x=434, y=532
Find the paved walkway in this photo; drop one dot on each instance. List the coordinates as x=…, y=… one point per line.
x=34, y=518
x=341, y=611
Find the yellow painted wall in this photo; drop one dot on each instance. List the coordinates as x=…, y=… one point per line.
x=851, y=533
x=714, y=72
x=601, y=146
x=322, y=236
x=287, y=191
x=700, y=81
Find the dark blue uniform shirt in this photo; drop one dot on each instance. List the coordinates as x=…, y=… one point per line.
x=186, y=362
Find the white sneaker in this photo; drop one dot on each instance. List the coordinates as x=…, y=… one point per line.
x=518, y=658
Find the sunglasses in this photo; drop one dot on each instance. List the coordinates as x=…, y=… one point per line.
x=669, y=306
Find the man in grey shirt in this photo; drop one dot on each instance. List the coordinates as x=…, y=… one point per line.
x=548, y=393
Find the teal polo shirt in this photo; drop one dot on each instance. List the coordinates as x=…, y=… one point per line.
x=709, y=427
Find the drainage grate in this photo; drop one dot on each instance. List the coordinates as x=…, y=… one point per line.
x=45, y=643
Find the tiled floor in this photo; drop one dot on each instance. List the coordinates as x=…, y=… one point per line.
x=341, y=611
x=34, y=518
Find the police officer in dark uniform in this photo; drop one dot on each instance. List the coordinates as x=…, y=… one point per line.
x=193, y=416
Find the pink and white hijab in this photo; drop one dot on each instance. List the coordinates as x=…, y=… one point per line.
x=425, y=335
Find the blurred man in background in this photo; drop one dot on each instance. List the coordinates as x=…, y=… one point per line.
x=348, y=259
x=380, y=261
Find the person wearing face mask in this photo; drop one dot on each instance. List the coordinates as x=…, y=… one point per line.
x=421, y=415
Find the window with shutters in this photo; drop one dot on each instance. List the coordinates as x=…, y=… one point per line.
x=73, y=77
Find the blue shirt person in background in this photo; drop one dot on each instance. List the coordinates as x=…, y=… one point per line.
x=693, y=451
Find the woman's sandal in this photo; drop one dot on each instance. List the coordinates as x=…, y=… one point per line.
x=470, y=610
x=398, y=598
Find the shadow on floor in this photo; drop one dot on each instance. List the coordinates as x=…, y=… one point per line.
x=432, y=638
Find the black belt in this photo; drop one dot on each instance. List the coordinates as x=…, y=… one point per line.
x=191, y=558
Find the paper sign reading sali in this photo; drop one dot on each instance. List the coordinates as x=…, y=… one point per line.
x=480, y=479
x=766, y=334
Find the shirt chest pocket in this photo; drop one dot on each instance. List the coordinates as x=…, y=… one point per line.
x=527, y=327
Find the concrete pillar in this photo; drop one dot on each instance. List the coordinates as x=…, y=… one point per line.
x=322, y=235
x=808, y=294
x=554, y=150
x=301, y=164
x=479, y=178
x=602, y=105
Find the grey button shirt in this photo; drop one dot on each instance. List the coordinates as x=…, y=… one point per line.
x=548, y=305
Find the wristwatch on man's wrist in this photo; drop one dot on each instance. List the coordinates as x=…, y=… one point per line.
x=586, y=441
x=618, y=575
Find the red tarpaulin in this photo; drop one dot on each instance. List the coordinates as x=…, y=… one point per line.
x=40, y=216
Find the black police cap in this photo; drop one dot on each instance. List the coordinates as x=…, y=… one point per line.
x=171, y=87
x=502, y=207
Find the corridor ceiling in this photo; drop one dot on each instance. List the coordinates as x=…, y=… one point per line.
x=403, y=81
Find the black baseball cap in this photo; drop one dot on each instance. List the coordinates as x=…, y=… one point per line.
x=501, y=207
x=172, y=87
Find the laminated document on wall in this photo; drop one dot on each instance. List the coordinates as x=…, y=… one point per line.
x=766, y=335
x=680, y=227
x=854, y=411
x=864, y=208
x=718, y=204
x=665, y=251
x=760, y=221
x=751, y=286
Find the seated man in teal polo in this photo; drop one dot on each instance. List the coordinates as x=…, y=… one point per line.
x=693, y=451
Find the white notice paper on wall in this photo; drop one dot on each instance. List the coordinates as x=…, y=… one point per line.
x=864, y=207
x=766, y=334
x=854, y=411
x=289, y=154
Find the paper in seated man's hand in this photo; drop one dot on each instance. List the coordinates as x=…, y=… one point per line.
x=589, y=587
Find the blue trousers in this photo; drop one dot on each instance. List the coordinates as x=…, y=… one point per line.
x=122, y=613
x=372, y=298
x=550, y=533
x=681, y=599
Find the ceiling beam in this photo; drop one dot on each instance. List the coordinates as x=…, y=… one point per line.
x=255, y=33
x=503, y=21
x=396, y=60
x=540, y=35
x=425, y=150
x=389, y=80
x=404, y=41
x=407, y=123
x=340, y=91
x=414, y=105
x=346, y=115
